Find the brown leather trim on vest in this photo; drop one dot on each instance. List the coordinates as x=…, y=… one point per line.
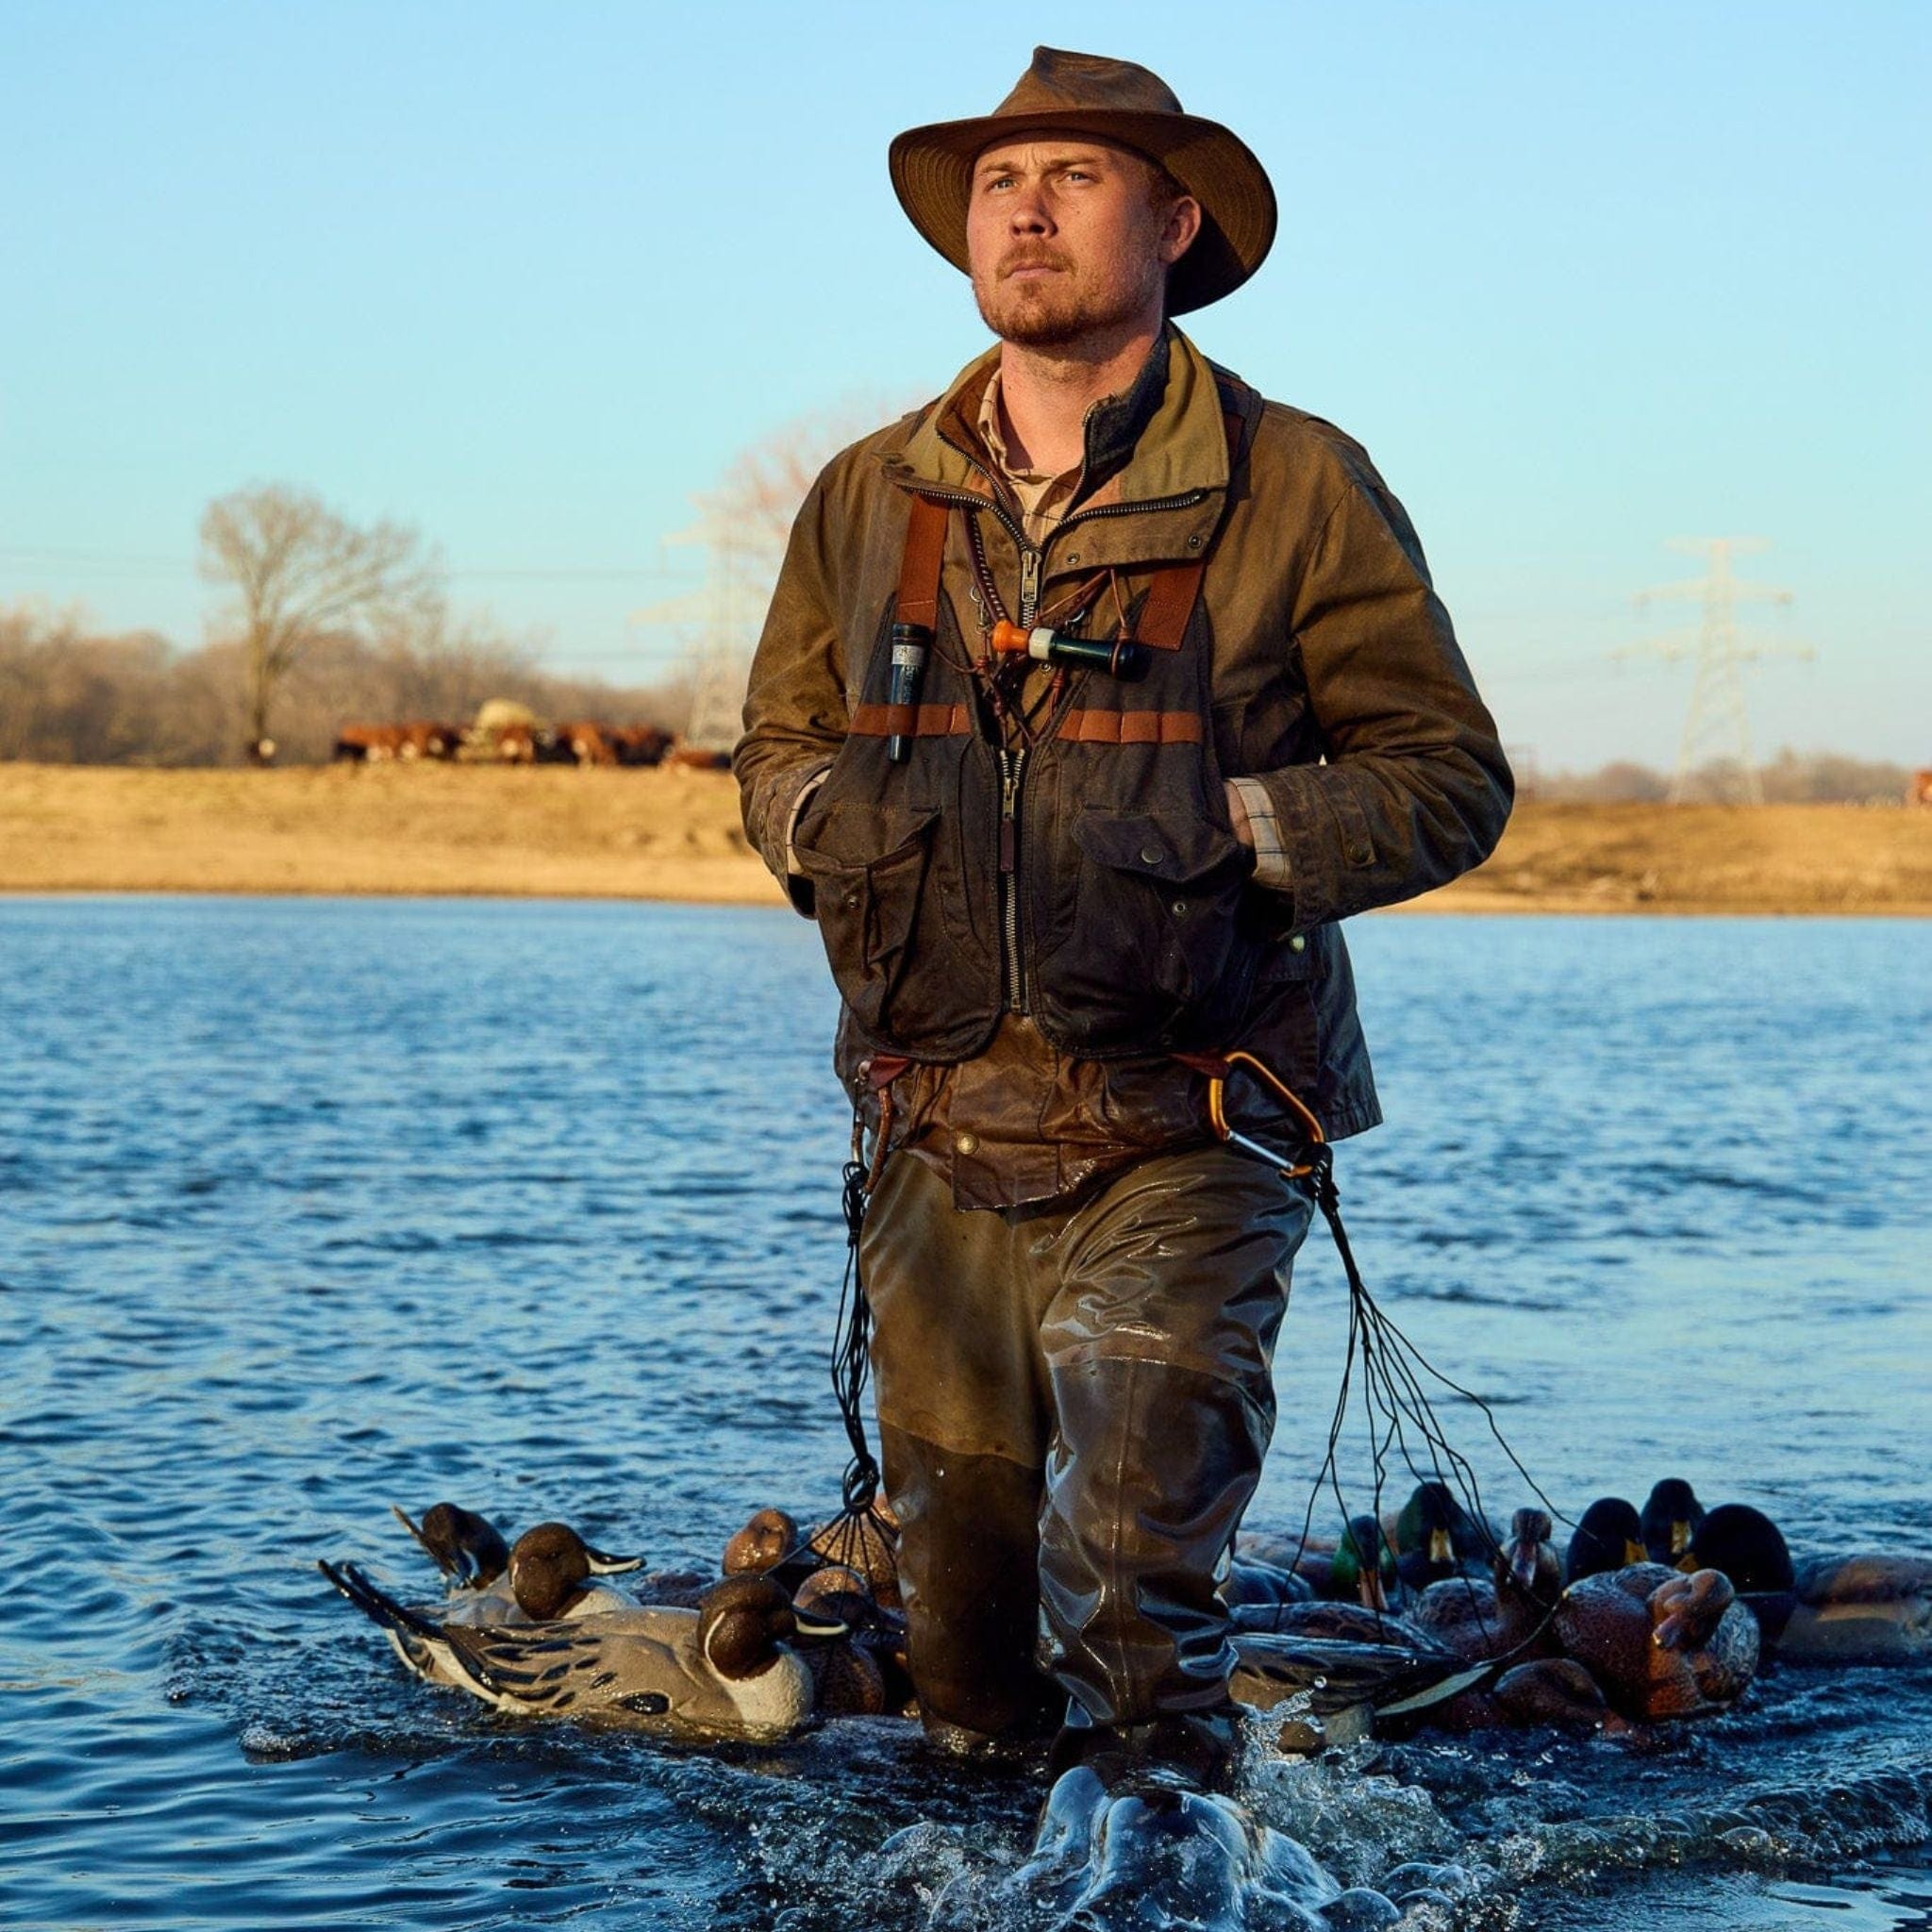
x=904, y=721
x=1170, y=596
x=921, y=563
x=1130, y=728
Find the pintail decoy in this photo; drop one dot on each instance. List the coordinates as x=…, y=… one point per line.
x=467, y=1548
x=1663, y=1644
x=1610, y=1537
x=1671, y=1515
x=724, y=1670
x=1746, y=1546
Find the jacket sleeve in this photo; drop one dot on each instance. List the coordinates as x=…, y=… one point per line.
x=1415, y=789
x=795, y=715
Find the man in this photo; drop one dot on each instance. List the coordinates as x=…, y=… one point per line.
x=1040, y=879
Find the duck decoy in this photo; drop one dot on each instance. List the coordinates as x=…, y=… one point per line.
x=770, y=1545
x=1749, y=1548
x=1661, y=1642
x=467, y=1548
x=1249, y=1581
x=1336, y=1622
x=550, y=1570
x=1671, y=1515
x=868, y=1542
x=1367, y=1685
x=724, y=1670
x=1435, y=1538
x=1869, y=1609
x=1500, y=1614
x=1610, y=1537
x=1362, y=1568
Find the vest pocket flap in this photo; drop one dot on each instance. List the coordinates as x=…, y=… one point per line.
x=860, y=838
x=1174, y=850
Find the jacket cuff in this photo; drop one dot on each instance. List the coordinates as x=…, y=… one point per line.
x=1272, y=866
x=781, y=807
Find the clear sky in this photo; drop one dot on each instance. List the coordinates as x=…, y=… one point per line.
x=1583, y=278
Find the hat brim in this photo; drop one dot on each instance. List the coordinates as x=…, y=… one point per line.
x=932, y=176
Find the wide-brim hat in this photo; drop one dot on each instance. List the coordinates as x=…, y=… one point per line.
x=1114, y=101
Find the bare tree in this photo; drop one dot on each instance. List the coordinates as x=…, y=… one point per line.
x=303, y=572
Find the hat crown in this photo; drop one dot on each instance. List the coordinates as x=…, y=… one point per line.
x=1058, y=80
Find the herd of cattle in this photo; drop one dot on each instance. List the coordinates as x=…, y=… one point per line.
x=586, y=742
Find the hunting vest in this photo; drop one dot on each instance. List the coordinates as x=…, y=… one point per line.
x=1088, y=878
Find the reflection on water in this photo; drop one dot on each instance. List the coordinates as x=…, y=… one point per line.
x=309, y=1206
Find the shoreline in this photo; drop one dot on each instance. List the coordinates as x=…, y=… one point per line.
x=409, y=831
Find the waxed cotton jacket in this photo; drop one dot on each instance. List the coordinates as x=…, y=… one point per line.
x=1323, y=666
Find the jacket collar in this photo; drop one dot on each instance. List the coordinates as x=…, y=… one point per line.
x=1163, y=438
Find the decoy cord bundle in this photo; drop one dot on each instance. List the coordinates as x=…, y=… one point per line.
x=1393, y=1370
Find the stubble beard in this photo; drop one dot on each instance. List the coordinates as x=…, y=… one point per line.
x=1057, y=312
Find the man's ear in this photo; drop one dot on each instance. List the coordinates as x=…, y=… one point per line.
x=1183, y=224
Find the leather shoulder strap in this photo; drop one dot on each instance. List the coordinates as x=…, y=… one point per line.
x=1177, y=587
x=921, y=563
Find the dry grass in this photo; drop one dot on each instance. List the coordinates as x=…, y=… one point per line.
x=675, y=835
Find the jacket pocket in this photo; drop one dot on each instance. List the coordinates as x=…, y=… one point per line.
x=868, y=867
x=1157, y=957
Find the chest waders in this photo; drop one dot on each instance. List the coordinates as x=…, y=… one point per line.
x=1086, y=876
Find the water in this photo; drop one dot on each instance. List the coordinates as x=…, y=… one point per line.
x=307, y=1207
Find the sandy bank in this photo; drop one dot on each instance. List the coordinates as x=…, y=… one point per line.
x=675, y=835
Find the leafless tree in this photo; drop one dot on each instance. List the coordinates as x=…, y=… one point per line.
x=301, y=573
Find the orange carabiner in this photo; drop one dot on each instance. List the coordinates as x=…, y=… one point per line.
x=1240, y=1061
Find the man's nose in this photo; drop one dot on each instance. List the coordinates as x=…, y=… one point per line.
x=1028, y=214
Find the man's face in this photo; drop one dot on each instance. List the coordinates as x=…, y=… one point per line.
x=1067, y=237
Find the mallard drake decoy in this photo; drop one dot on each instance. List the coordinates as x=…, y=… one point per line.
x=726, y=1669
x=1500, y=1614
x=1671, y=1515
x=1362, y=1569
x=1610, y=1537
x=1748, y=1547
x=467, y=1548
x=1661, y=1642
x=1435, y=1538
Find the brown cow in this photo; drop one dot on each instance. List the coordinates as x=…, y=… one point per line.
x=590, y=744
x=639, y=745
x=369, y=745
x=696, y=759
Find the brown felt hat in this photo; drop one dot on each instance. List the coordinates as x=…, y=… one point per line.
x=1110, y=100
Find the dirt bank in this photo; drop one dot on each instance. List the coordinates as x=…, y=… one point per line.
x=675, y=835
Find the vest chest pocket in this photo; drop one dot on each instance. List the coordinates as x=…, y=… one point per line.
x=1157, y=957
x=868, y=866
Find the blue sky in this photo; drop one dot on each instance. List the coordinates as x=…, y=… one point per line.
x=1582, y=279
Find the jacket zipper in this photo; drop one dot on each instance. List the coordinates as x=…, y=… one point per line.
x=1013, y=763
x=1012, y=770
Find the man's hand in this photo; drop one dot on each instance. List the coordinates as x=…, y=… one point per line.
x=1238, y=815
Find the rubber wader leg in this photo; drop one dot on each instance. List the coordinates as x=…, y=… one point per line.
x=963, y=1426
x=1159, y=1342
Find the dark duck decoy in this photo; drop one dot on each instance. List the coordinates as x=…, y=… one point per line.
x=850, y=1671
x=1671, y=1515
x=1872, y=1607
x=724, y=1670
x=770, y=1544
x=1502, y=1613
x=1661, y=1644
x=1435, y=1538
x=1249, y=1581
x=1748, y=1547
x=467, y=1548
x=1610, y=1537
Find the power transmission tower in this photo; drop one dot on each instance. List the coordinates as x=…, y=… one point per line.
x=725, y=613
x=1717, y=727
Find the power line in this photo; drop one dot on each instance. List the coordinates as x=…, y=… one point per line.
x=1717, y=725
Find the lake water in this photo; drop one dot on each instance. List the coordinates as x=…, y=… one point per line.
x=307, y=1207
